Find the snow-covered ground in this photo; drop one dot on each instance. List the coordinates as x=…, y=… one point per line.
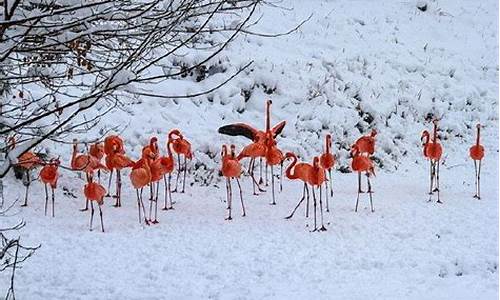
x=384, y=62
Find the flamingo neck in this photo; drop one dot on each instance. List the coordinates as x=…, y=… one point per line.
x=290, y=167
x=268, y=116
x=478, y=136
x=328, y=144
x=169, y=150
x=434, y=138
x=73, y=155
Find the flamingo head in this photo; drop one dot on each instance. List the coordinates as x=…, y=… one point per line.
x=175, y=132
x=425, y=136
x=233, y=150
x=315, y=161
x=224, y=151
x=478, y=126
x=354, y=150
x=373, y=133
x=289, y=155
x=153, y=140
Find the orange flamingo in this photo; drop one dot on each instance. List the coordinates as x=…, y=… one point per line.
x=425, y=137
x=476, y=152
x=274, y=156
x=231, y=169
x=97, y=151
x=27, y=162
x=93, y=191
x=301, y=171
x=141, y=177
x=112, y=144
x=257, y=149
x=180, y=146
x=167, y=164
x=327, y=161
x=434, y=151
x=241, y=129
x=317, y=178
x=49, y=175
x=86, y=163
x=361, y=163
x=366, y=146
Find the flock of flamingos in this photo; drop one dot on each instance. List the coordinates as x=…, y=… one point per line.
x=149, y=171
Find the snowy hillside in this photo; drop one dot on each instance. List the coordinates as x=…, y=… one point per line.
x=352, y=66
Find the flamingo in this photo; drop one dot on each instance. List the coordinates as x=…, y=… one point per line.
x=93, y=191
x=27, y=162
x=274, y=156
x=180, y=146
x=425, y=137
x=434, y=151
x=242, y=129
x=153, y=146
x=361, y=163
x=167, y=164
x=156, y=174
x=317, y=178
x=112, y=144
x=86, y=163
x=366, y=146
x=301, y=171
x=141, y=177
x=327, y=161
x=231, y=169
x=49, y=175
x=476, y=153
x=254, y=150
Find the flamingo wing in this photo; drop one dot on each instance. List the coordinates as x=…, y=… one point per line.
x=239, y=129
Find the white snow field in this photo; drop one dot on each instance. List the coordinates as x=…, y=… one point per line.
x=355, y=65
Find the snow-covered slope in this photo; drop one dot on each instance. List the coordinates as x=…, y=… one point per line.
x=353, y=66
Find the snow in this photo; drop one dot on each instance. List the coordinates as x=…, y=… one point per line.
x=352, y=60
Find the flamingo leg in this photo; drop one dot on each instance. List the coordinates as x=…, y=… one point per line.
x=119, y=191
x=185, y=172
x=261, y=181
x=281, y=176
x=370, y=191
x=99, y=176
x=166, y=192
x=437, y=181
x=432, y=166
x=314, y=206
x=170, y=191
x=53, y=202
x=359, y=183
x=178, y=172
x=300, y=202
x=109, y=183
x=100, y=215
x=322, y=228
x=326, y=195
x=91, y=214
x=331, y=182
x=117, y=201
x=28, y=181
x=241, y=198
x=267, y=179
x=229, y=199
x=250, y=172
x=138, y=205
x=46, y=198
x=272, y=187
x=143, y=209
x=151, y=200
x=307, y=200
x=479, y=180
x=155, y=221
x=255, y=183
x=357, y=199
